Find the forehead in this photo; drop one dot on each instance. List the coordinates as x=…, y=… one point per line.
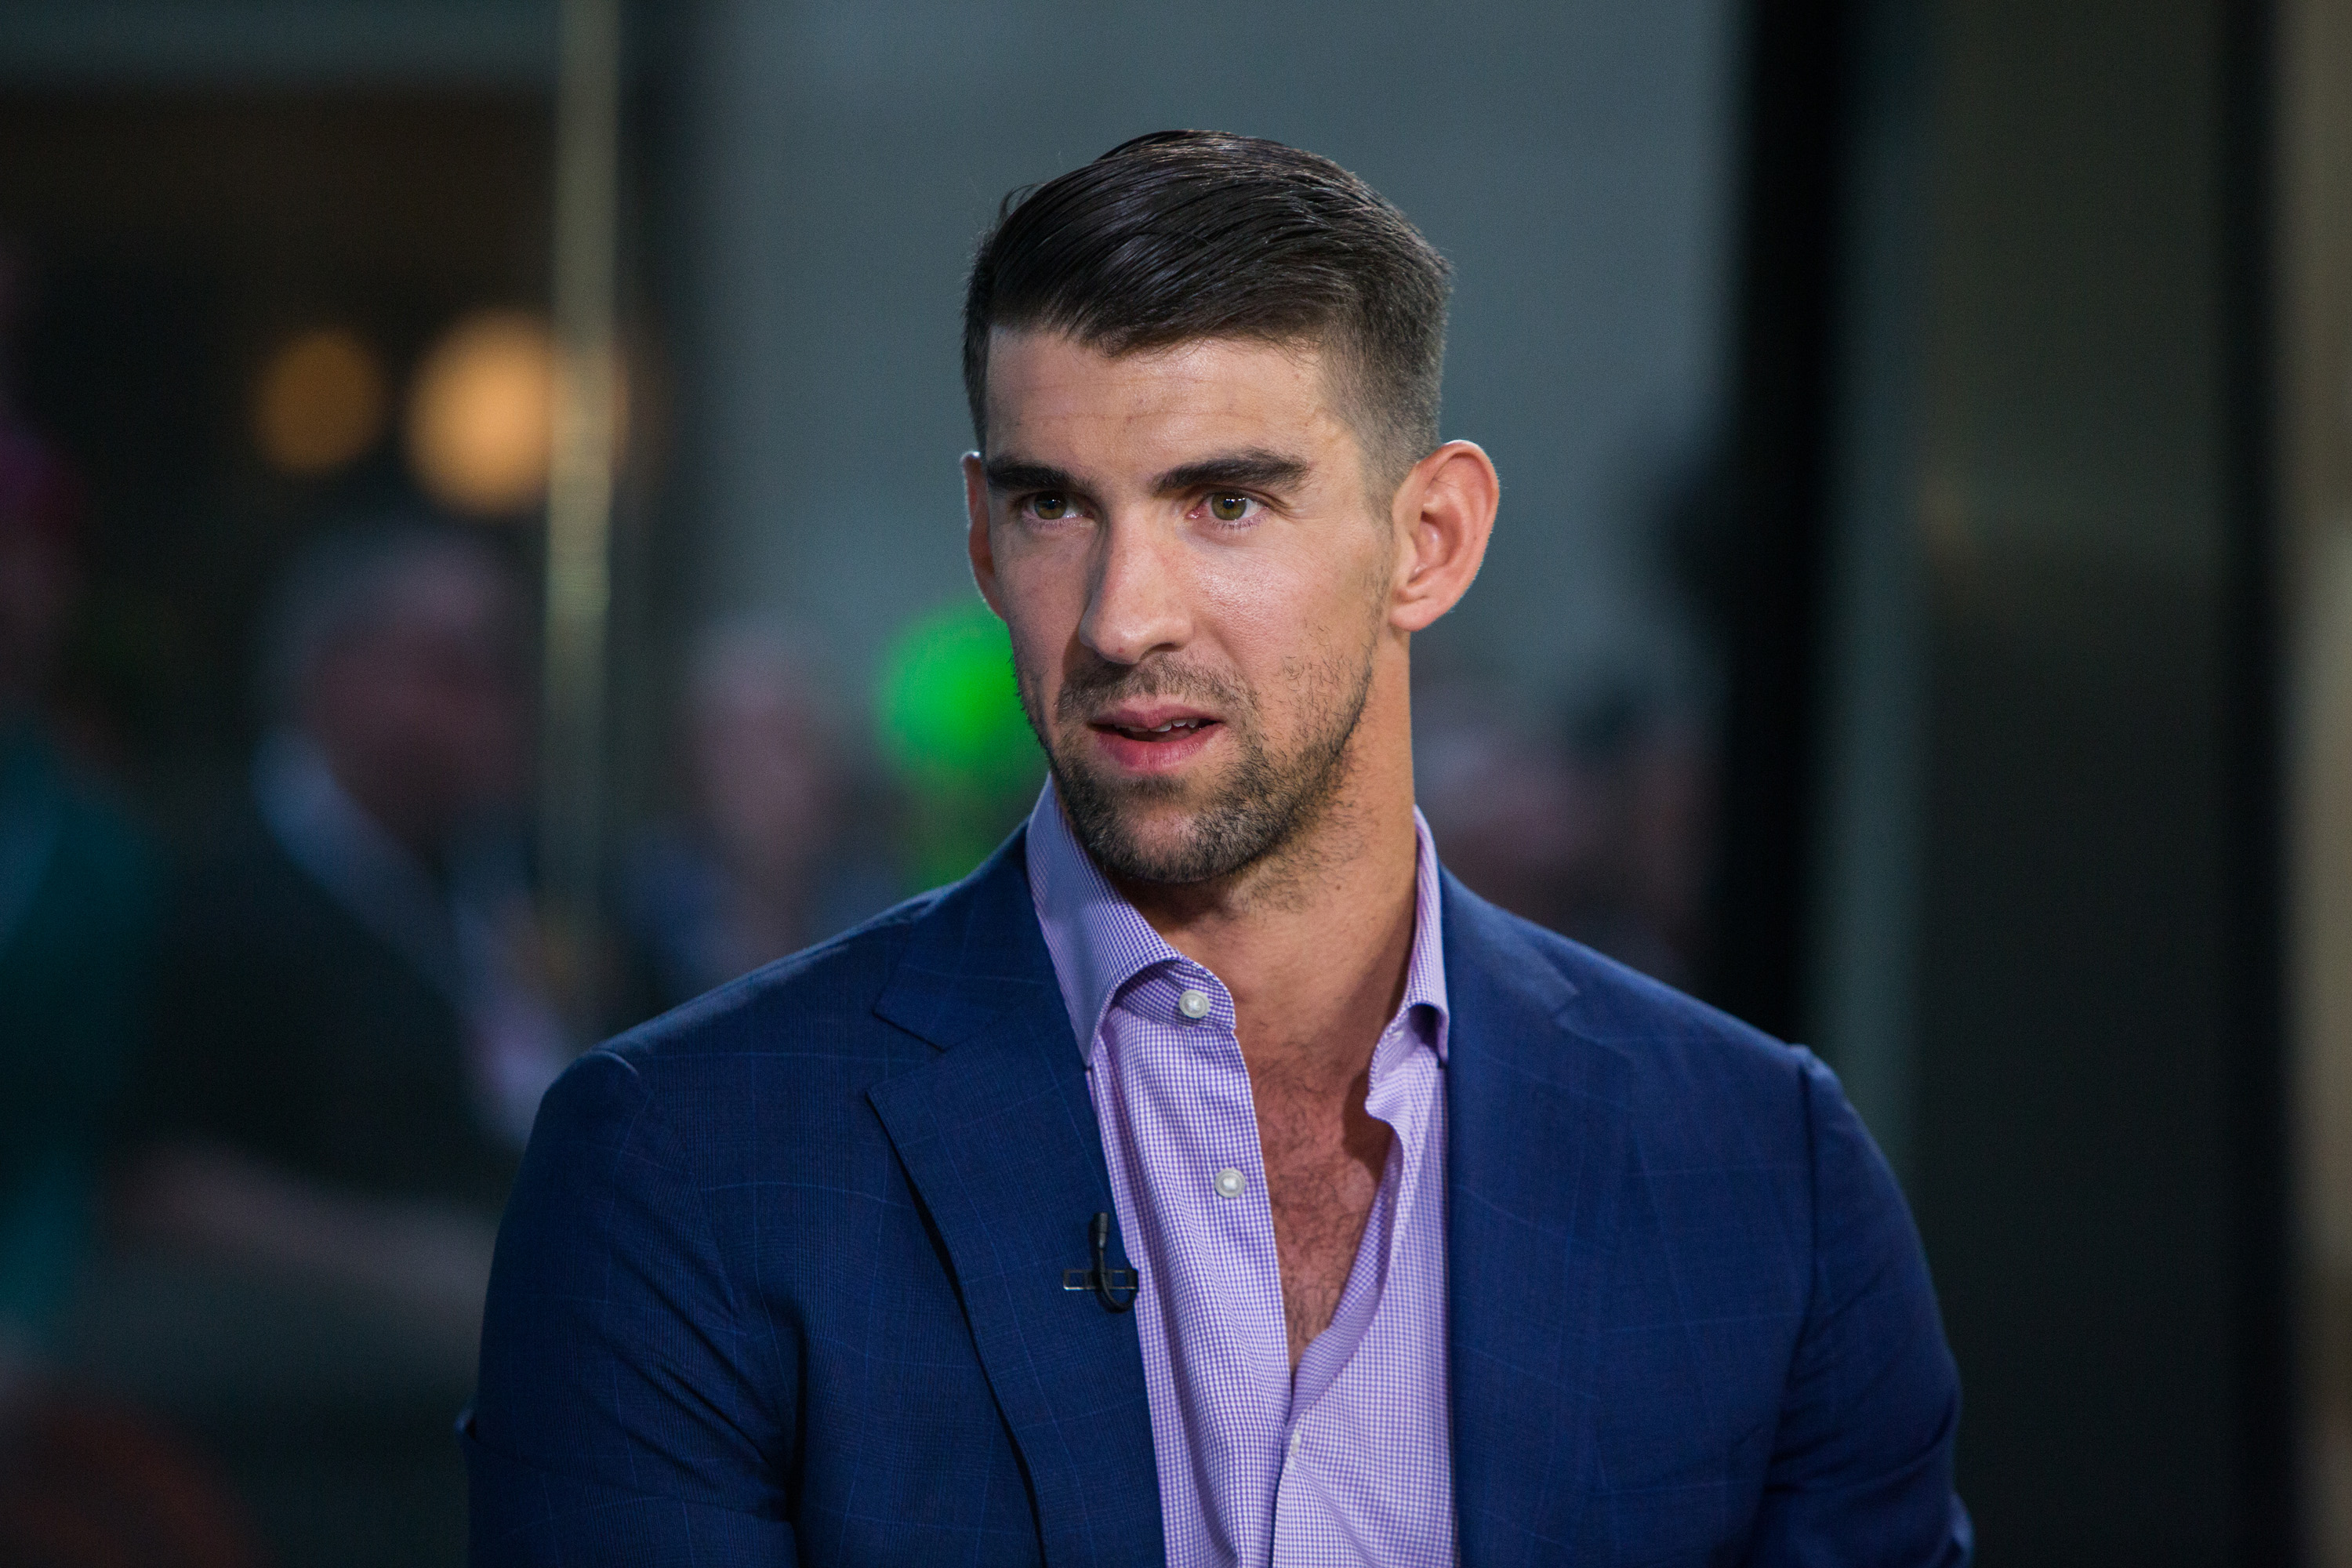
x=1056, y=399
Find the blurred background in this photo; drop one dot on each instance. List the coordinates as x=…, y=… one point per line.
x=480, y=563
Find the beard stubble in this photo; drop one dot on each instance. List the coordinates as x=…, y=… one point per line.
x=1264, y=804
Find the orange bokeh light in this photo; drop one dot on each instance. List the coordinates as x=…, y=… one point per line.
x=480, y=413
x=319, y=402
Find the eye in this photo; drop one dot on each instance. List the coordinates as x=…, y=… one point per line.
x=1230, y=508
x=1048, y=506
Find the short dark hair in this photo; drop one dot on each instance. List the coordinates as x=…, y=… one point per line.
x=1185, y=234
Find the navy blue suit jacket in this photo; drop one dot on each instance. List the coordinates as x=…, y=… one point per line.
x=782, y=1279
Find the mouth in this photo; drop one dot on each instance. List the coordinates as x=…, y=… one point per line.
x=1156, y=735
x=1152, y=738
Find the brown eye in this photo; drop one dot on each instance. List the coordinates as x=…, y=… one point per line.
x=1229, y=509
x=1049, y=507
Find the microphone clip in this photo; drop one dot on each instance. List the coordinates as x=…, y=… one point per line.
x=1105, y=1281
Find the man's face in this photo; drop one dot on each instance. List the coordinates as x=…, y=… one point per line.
x=1196, y=577
x=419, y=708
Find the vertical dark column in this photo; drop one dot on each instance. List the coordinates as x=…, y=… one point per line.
x=2095, y=1050
x=1761, y=567
x=2271, y=1510
x=655, y=511
x=2098, y=1162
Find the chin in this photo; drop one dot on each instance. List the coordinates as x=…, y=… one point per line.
x=1169, y=847
x=1131, y=797
x=1149, y=825
x=1159, y=838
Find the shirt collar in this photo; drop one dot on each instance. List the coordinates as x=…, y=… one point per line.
x=1099, y=942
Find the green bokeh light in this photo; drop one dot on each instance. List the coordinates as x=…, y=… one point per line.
x=946, y=707
x=947, y=712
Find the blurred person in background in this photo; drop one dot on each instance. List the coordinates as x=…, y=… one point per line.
x=1515, y=816
x=1594, y=829
x=83, y=1481
x=765, y=861
x=78, y=907
x=1640, y=901
x=353, y=1037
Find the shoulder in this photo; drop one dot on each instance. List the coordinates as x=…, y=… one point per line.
x=698, y=1135
x=863, y=1000
x=1687, y=1073
x=811, y=1002
x=775, y=1060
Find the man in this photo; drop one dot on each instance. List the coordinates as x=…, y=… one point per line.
x=352, y=1045
x=1455, y=1239
x=349, y=1015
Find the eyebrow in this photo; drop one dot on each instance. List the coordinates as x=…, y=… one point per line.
x=1252, y=470
x=1020, y=474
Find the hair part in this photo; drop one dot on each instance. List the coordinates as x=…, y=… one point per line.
x=1183, y=235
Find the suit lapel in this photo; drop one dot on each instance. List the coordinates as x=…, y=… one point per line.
x=998, y=1137
x=1537, y=1151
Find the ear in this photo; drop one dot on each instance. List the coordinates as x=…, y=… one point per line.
x=976, y=541
x=1443, y=513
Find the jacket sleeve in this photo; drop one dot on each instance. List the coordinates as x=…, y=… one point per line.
x=1861, y=1473
x=617, y=1418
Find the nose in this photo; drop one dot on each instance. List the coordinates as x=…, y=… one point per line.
x=1139, y=602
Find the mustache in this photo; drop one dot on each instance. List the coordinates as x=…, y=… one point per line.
x=1099, y=684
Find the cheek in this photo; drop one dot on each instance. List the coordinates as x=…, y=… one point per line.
x=1044, y=601
x=1282, y=615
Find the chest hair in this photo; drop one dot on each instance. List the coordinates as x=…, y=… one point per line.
x=1324, y=1154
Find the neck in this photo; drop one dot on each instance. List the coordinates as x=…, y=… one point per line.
x=1314, y=941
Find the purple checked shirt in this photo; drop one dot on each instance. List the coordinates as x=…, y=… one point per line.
x=1350, y=1460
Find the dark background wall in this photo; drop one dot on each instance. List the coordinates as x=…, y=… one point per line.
x=2039, y=907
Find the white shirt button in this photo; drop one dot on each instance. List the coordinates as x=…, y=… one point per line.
x=1192, y=1003
x=1230, y=1182
x=1296, y=1434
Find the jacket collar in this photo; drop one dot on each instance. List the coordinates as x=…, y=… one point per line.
x=997, y=1134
